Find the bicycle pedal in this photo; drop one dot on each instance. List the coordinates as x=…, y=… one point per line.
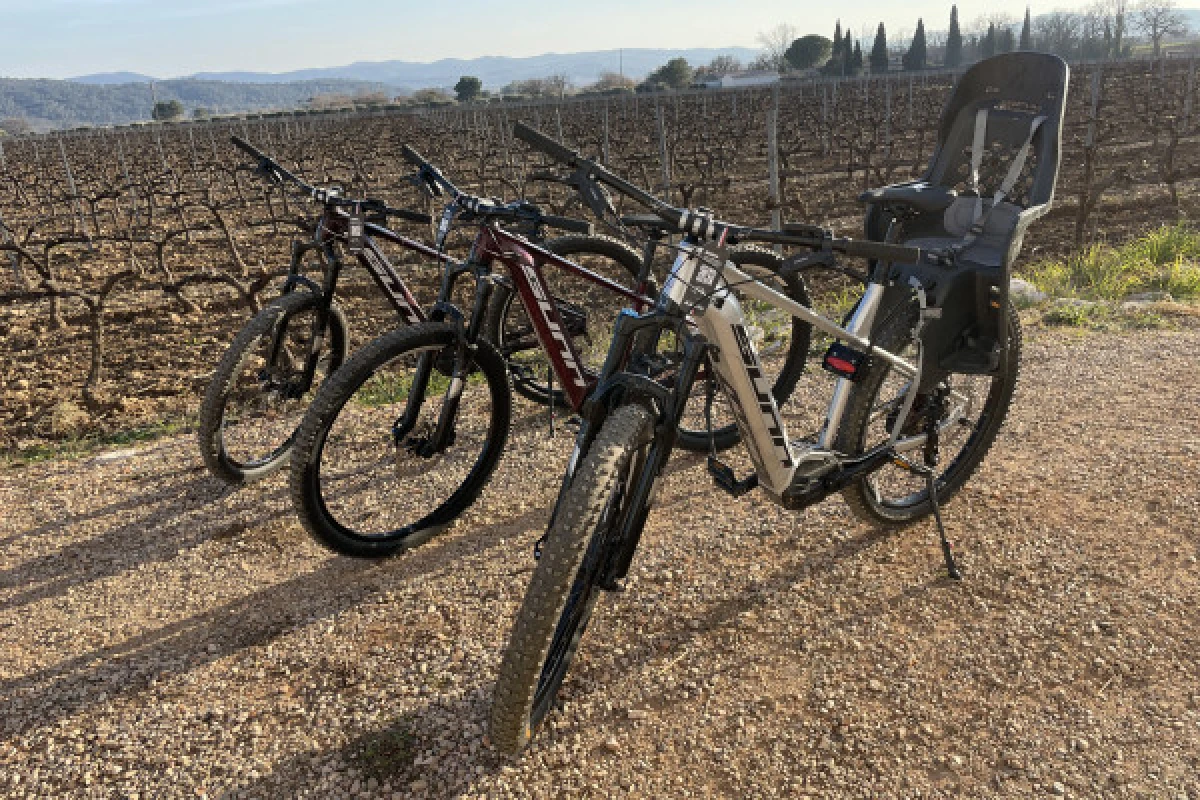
x=724, y=478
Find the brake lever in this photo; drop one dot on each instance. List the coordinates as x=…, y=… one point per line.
x=595, y=196
x=267, y=172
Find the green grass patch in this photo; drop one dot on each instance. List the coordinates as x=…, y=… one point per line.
x=89, y=444
x=1164, y=260
x=388, y=752
x=1100, y=316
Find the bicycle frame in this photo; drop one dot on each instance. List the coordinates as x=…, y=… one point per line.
x=330, y=226
x=795, y=479
x=524, y=262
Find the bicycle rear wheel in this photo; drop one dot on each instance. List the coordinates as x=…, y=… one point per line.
x=563, y=591
x=893, y=495
x=367, y=476
x=257, y=395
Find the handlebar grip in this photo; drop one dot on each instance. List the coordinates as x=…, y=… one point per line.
x=248, y=148
x=568, y=224
x=412, y=156
x=881, y=251
x=411, y=216
x=541, y=141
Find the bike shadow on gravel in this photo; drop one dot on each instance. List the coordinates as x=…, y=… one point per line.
x=153, y=524
x=131, y=667
x=394, y=754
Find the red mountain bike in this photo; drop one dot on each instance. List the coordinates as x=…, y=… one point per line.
x=271, y=370
x=405, y=435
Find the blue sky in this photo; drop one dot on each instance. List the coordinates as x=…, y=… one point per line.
x=169, y=38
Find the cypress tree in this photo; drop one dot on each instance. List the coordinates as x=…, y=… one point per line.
x=954, y=42
x=987, y=48
x=836, y=55
x=1027, y=32
x=858, y=56
x=879, y=51
x=915, y=58
x=1006, y=42
x=1119, y=35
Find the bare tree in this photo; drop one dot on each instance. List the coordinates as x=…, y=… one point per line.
x=723, y=65
x=612, y=80
x=1058, y=32
x=1159, y=19
x=775, y=43
x=1001, y=19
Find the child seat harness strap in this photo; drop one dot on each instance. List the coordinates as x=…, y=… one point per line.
x=980, y=219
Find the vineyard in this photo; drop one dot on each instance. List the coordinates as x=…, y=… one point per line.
x=131, y=255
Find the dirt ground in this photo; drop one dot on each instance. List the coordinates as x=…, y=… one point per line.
x=161, y=636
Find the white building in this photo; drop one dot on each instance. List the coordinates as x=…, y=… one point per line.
x=738, y=80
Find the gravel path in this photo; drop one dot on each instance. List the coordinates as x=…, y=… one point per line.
x=161, y=637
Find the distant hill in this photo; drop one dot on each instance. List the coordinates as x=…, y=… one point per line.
x=115, y=98
x=48, y=104
x=111, y=78
x=496, y=71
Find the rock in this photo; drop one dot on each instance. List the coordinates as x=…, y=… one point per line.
x=1073, y=302
x=1150, y=297
x=638, y=714
x=1023, y=292
x=612, y=745
x=114, y=455
x=1057, y=789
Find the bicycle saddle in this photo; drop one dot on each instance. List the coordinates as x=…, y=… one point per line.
x=923, y=198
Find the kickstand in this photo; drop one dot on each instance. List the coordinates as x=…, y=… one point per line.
x=947, y=552
x=550, y=393
x=709, y=392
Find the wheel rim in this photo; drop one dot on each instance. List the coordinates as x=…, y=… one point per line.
x=898, y=490
x=267, y=400
x=373, y=487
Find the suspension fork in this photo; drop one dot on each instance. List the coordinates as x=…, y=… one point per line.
x=320, y=319
x=464, y=347
x=463, y=356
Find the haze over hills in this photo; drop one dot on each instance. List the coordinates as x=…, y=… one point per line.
x=494, y=71
x=113, y=78
x=48, y=104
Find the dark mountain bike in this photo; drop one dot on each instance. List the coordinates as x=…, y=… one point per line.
x=271, y=370
x=926, y=367
x=405, y=435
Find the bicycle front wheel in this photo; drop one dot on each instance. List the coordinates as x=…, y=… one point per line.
x=563, y=591
x=258, y=393
x=400, y=441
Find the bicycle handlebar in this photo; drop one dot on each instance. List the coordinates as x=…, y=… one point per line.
x=705, y=226
x=279, y=174
x=431, y=175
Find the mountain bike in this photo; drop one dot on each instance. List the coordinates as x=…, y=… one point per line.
x=900, y=437
x=272, y=368
x=402, y=439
